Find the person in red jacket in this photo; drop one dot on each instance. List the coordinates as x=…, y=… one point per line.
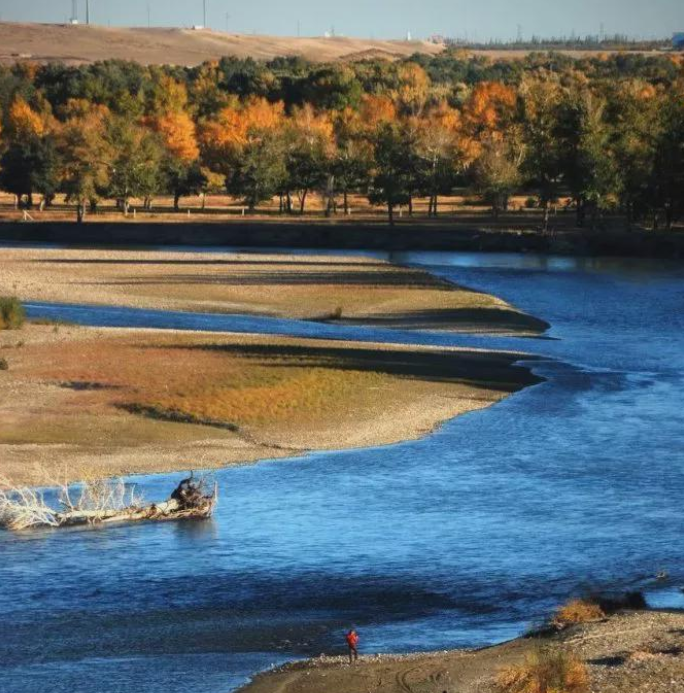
x=352, y=639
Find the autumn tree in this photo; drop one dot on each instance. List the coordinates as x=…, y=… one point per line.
x=414, y=85
x=309, y=150
x=439, y=155
x=86, y=159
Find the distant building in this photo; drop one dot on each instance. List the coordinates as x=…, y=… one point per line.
x=678, y=41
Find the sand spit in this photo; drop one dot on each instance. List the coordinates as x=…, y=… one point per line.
x=632, y=652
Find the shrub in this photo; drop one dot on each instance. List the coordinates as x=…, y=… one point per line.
x=545, y=671
x=12, y=313
x=578, y=611
x=337, y=313
x=531, y=203
x=4, y=366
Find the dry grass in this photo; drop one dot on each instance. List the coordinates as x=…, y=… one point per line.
x=121, y=401
x=179, y=46
x=547, y=671
x=578, y=611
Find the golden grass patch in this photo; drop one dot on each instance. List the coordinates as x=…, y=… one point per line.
x=547, y=671
x=578, y=611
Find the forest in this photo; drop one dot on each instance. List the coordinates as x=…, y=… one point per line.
x=603, y=133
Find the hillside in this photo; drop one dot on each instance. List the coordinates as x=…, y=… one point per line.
x=86, y=44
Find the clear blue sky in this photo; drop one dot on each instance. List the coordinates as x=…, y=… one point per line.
x=479, y=19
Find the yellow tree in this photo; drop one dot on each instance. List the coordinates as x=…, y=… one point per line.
x=310, y=147
x=376, y=111
x=414, y=86
x=86, y=157
x=439, y=140
x=23, y=122
x=224, y=137
x=489, y=110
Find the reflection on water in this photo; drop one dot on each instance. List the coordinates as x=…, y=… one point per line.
x=459, y=539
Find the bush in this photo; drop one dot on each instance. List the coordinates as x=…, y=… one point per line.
x=531, y=203
x=4, y=366
x=546, y=670
x=12, y=313
x=578, y=611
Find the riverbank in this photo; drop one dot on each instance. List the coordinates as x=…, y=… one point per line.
x=116, y=401
x=631, y=652
x=331, y=288
x=517, y=234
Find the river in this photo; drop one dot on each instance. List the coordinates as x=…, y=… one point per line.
x=463, y=538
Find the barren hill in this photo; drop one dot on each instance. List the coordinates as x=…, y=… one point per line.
x=86, y=44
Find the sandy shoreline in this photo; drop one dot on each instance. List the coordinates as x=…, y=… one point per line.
x=342, y=288
x=632, y=652
x=115, y=401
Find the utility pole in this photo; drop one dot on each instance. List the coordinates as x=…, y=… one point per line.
x=205, y=14
x=74, y=11
x=149, y=15
x=87, y=12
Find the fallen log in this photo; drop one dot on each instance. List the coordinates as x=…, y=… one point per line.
x=102, y=502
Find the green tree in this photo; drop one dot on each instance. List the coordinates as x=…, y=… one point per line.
x=497, y=173
x=182, y=178
x=31, y=166
x=667, y=182
x=587, y=157
x=135, y=171
x=393, y=175
x=539, y=105
x=260, y=171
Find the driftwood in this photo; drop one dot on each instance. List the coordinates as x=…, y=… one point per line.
x=103, y=502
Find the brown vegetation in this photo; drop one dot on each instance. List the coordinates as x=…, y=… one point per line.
x=545, y=671
x=578, y=611
x=123, y=401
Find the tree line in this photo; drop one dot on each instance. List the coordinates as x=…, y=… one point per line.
x=606, y=132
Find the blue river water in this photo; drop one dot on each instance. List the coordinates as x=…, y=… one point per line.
x=464, y=538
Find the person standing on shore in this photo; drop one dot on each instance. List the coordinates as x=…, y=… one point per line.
x=352, y=639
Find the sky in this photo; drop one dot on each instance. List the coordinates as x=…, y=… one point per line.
x=473, y=19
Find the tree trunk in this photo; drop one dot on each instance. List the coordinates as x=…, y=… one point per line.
x=176, y=202
x=547, y=211
x=289, y=202
x=410, y=205
x=80, y=211
x=346, y=203
x=204, y=201
x=302, y=202
x=390, y=212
